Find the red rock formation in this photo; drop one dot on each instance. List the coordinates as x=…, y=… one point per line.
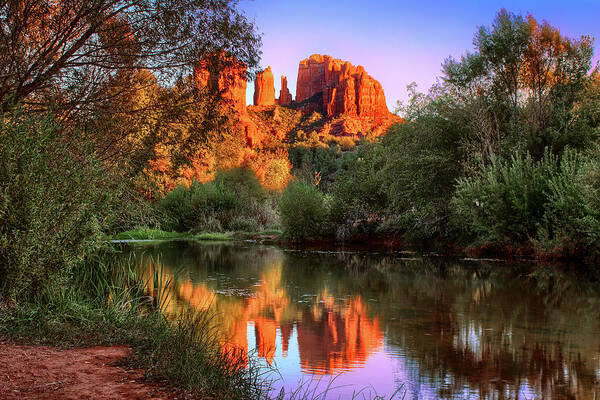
x=264, y=88
x=226, y=76
x=285, y=97
x=336, y=87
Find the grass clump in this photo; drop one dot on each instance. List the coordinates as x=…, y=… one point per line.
x=147, y=234
x=213, y=236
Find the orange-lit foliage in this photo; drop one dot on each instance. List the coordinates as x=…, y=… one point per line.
x=551, y=61
x=232, y=142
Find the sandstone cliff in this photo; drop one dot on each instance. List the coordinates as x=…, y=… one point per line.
x=226, y=76
x=264, y=88
x=333, y=87
x=285, y=97
x=333, y=99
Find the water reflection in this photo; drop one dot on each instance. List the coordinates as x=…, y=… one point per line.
x=436, y=328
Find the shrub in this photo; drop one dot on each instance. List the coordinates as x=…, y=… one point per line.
x=505, y=201
x=180, y=204
x=55, y=202
x=235, y=200
x=549, y=203
x=572, y=212
x=303, y=211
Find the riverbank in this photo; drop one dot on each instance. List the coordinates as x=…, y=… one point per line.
x=181, y=355
x=378, y=243
x=46, y=373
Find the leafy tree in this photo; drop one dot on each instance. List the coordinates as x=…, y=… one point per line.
x=55, y=205
x=63, y=52
x=518, y=89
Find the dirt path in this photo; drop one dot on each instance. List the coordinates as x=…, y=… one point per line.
x=36, y=372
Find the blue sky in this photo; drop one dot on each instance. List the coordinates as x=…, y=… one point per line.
x=397, y=42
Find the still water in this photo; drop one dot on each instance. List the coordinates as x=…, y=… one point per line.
x=428, y=326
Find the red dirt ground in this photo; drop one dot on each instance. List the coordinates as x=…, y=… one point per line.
x=45, y=373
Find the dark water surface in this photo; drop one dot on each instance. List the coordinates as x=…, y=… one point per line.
x=433, y=327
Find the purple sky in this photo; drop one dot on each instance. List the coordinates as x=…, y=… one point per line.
x=397, y=41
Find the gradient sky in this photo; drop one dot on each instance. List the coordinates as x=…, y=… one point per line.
x=397, y=42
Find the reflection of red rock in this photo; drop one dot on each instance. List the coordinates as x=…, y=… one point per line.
x=285, y=97
x=331, y=337
x=264, y=88
x=286, y=334
x=198, y=296
x=336, y=341
x=265, y=330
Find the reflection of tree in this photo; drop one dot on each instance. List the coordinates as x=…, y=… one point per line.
x=494, y=329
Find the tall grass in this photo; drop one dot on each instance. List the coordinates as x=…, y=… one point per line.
x=110, y=301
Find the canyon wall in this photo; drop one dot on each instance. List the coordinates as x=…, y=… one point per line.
x=226, y=76
x=264, y=88
x=334, y=87
x=350, y=100
x=285, y=97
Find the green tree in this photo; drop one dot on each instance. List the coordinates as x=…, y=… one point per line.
x=55, y=205
x=304, y=212
x=519, y=87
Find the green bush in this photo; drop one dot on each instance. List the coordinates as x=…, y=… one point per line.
x=304, y=212
x=505, y=201
x=55, y=203
x=550, y=203
x=572, y=213
x=235, y=200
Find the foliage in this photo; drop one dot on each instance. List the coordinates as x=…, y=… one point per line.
x=55, y=204
x=303, y=211
x=235, y=200
x=91, y=40
x=519, y=201
x=358, y=195
x=309, y=161
x=518, y=89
